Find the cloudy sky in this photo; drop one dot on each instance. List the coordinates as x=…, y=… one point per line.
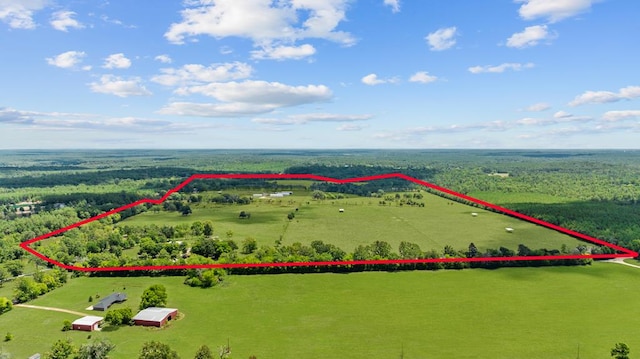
x=319, y=74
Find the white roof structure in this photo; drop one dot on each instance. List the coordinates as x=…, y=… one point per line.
x=88, y=320
x=153, y=314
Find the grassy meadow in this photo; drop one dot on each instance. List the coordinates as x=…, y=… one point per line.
x=440, y=222
x=507, y=313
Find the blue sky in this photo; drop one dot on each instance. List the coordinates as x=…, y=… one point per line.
x=319, y=74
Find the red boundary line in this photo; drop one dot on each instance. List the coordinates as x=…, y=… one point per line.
x=625, y=252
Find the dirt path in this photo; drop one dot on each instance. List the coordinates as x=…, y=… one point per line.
x=50, y=308
x=621, y=261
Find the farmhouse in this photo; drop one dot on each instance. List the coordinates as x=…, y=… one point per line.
x=105, y=303
x=87, y=324
x=154, y=317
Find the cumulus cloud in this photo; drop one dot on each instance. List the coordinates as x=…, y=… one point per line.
x=269, y=24
x=442, y=39
x=63, y=20
x=262, y=92
x=552, y=10
x=18, y=14
x=500, y=68
x=284, y=52
x=165, y=59
x=193, y=74
x=246, y=98
x=422, y=77
x=372, y=80
x=541, y=106
x=311, y=117
x=66, y=60
x=115, y=85
x=593, y=97
x=215, y=109
x=394, y=4
x=613, y=116
x=116, y=61
x=531, y=36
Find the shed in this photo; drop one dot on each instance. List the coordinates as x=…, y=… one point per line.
x=106, y=302
x=509, y=229
x=341, y=210
x=87, y=324
x=154, y=316
x=474, y=214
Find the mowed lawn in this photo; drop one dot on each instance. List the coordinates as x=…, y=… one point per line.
x=439, y=223
x=510, y=313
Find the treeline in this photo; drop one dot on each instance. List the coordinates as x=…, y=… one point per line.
x=614, y=222
x=100, y=246
x=350, y=171
x=95, y=177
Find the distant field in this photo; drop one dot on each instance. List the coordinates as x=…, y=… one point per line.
x=506, y=313
x=439, y=223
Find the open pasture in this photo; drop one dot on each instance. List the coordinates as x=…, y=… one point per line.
x=438, y=223
x=543, y=313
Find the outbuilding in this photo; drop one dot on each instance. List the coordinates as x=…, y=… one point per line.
x=87, y=324
x=106, y=302
x=154, y=316
x=509, y=229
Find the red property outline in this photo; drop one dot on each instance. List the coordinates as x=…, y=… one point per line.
x=625, y=252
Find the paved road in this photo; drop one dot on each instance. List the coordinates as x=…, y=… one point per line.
x=50, y=308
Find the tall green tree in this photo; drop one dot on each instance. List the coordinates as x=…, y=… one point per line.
x=99, y=349
x=154, y=296
x=157, y=350
x=61, y=349
x=204, y=353
x=620, y=351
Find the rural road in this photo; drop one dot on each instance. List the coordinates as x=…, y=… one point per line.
x=50, y=308
x=621, y=261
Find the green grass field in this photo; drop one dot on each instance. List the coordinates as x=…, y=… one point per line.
x=441, y=222
x=506, y=313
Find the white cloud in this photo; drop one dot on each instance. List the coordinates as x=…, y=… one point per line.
x=531, y=36
x=246, y=98
x=442, y=39
x=592, y=97
x=77, y=121
x=284, y=52
x=553, y=10
x=63, y=20
x=372, y=80
x=194, y=74
x=311, y=117
x=562, y=114
x=264, y=21
x=165, y=59
x=423, y=77
x=350, y=127
x=500, y=68
x=541, y=106
x=394, y=4
x=214, y=110
x=614, y=116
x=115, y=85
x=262, y=92
x=116, y=61
x=18, y=14
x=66, y=60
